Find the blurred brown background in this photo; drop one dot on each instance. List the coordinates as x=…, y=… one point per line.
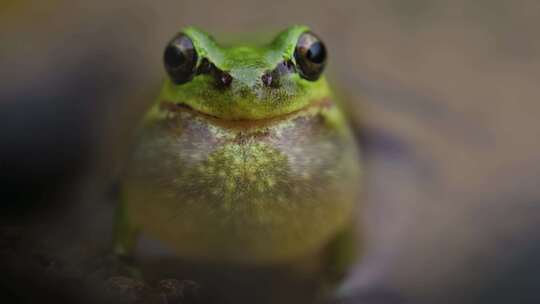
x=444, y=94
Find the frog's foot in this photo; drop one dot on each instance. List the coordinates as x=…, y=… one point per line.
x=340, y=255
x=106, y=265
x=129, y=267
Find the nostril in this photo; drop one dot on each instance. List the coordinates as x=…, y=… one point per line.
x=273, y=78
x=224, y=79
x=270, y=79
x=267, y=79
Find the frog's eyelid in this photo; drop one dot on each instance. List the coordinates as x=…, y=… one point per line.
x=204, y=43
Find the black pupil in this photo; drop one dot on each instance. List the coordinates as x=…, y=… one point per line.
x=174, y=57
x=316, y=53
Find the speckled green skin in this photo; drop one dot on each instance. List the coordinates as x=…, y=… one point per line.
x=258, y=177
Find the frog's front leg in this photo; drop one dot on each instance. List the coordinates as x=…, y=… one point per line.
x=125, y=236
x=125, y=233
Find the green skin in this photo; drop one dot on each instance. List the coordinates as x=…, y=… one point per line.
x=247, y=174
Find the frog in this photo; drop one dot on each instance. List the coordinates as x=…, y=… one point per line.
x=246, y=162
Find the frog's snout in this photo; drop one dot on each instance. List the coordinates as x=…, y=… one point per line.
x=240, y=80
x=253, y=79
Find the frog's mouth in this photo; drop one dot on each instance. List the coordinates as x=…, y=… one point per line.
x=310, y=109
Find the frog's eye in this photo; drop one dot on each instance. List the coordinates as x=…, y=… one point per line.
x=180, y=59
x=310, y=56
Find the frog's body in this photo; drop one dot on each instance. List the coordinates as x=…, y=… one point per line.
x=233, y=168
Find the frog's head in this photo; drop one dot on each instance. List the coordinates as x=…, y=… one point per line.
x=245, y=82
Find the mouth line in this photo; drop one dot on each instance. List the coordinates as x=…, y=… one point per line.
x=322, y=103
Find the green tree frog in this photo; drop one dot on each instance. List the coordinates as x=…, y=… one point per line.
x=245, y=160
